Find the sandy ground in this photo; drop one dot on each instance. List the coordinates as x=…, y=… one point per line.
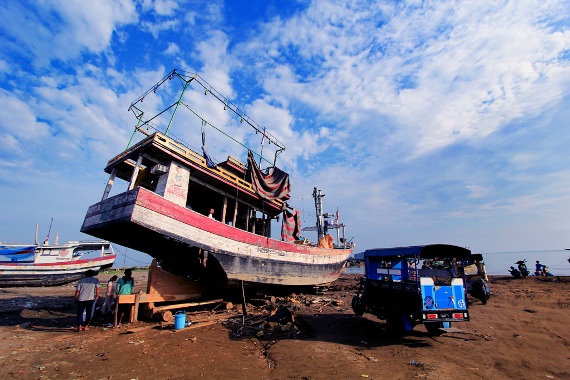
x=522, y=333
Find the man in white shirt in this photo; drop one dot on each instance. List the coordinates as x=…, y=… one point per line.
x=86, y=295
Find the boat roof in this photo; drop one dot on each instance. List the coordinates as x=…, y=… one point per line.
x=423, y=251
x=477, y=256
x=158, y=149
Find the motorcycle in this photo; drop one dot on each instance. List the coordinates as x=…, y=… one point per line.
x=480, y=290
x=521, y=264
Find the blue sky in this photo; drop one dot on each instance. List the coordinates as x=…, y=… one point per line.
x=423, y=122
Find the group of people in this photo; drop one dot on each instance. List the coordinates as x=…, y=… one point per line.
x=88, y=291
x=522, y=272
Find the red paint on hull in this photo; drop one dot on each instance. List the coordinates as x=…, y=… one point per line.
x=154, y=202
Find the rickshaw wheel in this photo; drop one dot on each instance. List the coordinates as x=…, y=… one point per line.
x=358, y=306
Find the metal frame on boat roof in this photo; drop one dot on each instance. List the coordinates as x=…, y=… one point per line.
x=186, y=78
x=423, y=251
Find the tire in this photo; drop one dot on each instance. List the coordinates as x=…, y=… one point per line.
x=480, y=291
x=434, y=328
x=358, y=306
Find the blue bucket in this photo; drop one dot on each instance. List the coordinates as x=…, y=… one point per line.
x=179, y=320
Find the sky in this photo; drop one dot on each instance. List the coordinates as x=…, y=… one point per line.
x=421, y=121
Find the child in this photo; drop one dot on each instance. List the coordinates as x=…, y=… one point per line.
x=110, y=295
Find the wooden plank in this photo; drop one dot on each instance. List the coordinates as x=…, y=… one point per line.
x=235, y=213
x=135, y=173
x=109, y=184
x=135, y=312
x=168, y=285
x=198, y=325
x=116, y=312
x=151, y=277
x=190, y=304
x=147, y=298
x=224, y=208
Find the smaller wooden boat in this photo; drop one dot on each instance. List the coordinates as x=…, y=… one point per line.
x=48, y=265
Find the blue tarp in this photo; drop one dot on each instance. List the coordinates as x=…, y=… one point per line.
x=8, y=250
x=20, y=253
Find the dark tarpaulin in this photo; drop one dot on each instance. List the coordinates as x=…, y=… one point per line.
x=209, y=162
x=274, y=185
x=291, y=226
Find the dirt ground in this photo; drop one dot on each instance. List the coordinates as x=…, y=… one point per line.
x=522, y=332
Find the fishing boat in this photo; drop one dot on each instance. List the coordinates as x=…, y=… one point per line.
x=210, y=221
x=55, y=264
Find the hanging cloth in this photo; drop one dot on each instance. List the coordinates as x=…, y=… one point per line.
x=274, y=185
x=291, y=225
x=209, y=162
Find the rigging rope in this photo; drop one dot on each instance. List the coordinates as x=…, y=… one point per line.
x=205, y=122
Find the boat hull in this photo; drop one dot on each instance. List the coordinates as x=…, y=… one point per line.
x=30, y=274
x=143, y=220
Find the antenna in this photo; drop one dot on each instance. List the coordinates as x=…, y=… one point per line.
x=46, y=242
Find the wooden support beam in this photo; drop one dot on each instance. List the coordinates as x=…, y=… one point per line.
x=235, y=213
x=182, y=305
x=135, y=308
x=109, y=184
x=135, y=173
x=116, y=312
x=224, y=208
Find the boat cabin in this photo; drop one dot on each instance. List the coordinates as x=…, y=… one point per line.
x=164, y=166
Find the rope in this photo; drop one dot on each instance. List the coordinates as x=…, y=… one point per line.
x=130, y=258
x=205, y=122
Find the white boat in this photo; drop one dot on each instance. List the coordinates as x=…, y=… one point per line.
x=48, y=265
x=172, y=187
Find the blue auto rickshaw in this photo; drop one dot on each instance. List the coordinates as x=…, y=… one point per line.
x=407, y=286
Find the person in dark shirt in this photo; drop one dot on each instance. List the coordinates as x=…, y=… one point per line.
x=125, y=285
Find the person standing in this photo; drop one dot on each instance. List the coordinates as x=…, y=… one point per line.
x=86, y=295
x=110, y=295
x=125, y=285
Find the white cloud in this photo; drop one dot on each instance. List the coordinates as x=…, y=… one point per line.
x=165, y=7
x=445, y=72
x=63, y=29
x=172, y=49
x=158, y=27
x=18, y=120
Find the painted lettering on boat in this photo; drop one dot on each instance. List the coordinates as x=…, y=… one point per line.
x=109, y=204
x=176, y=191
